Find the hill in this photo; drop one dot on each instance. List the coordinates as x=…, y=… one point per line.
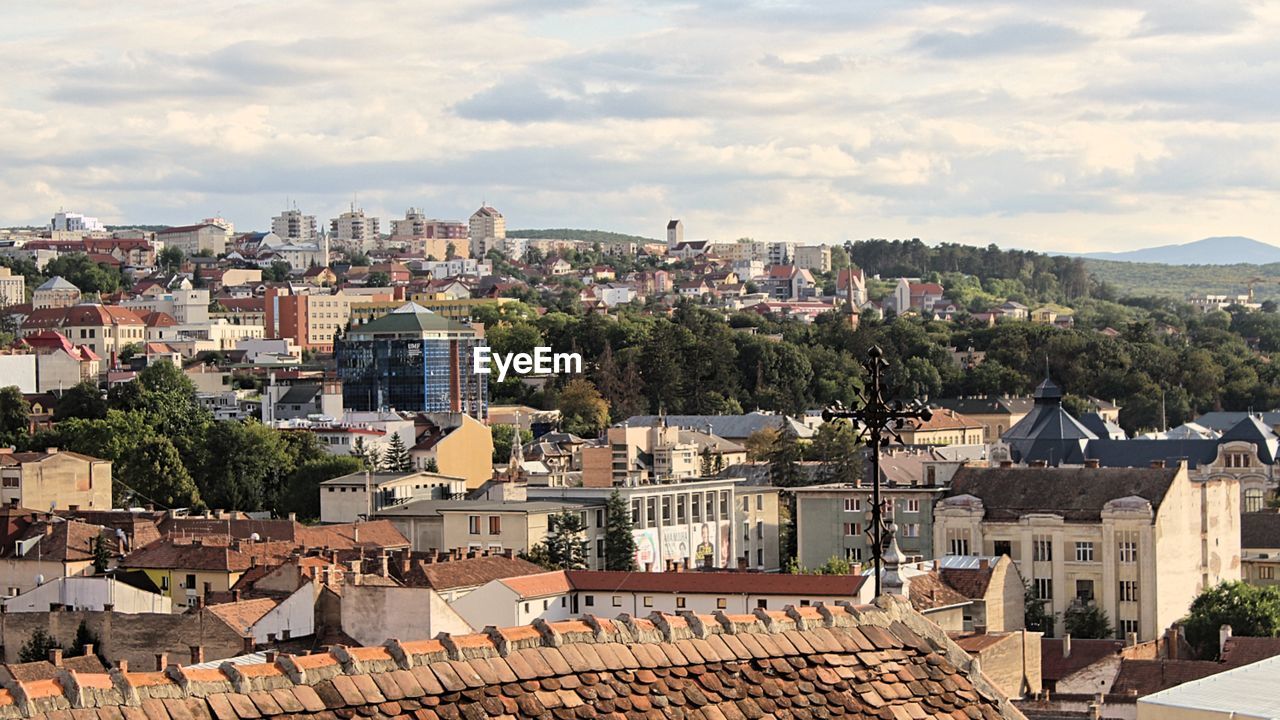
x=1180, y=281
x=1209, y=251
x=600, y=236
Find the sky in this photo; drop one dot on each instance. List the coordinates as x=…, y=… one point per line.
x=1067, y=126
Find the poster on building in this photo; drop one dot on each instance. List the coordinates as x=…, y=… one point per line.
x=726, y=544
x=704, y=552
x=646, y=547
x=675, y=544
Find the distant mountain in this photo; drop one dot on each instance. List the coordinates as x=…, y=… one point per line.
x=1232, y=250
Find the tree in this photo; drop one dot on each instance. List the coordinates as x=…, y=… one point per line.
x=835, y=565
x=368, y=455
x=451, y=251
x=503, y=436
x=378, y=279
x=838, y=450
x=101, y=555
x=566, y=541
x=432, y=466
x=15, y=415
x=279, y=271
x=397, y=457
x=784, y=461
x=171, y=258
x=37, y=647
x=760, y=443
x=81, y=401
x=1036, y=616
x=1250, y=610
x=153, y=472
x=583, y=410
x=303, y=494
x=81, y=270
x=84, y=639
x=539, y=555
x=1087, y=620
x=619, y=542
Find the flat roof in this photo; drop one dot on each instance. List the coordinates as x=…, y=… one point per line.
x=1245, y=692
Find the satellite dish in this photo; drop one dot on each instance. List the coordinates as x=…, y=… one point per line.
x=39, y=580
x=255, y=537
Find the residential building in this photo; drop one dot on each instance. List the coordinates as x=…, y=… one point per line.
x=485, y=228
x=195, y=239
x=360, y=495
x=736, y=428
x=49, y=548
x=917, y=296
x=945, y=427
x=816, y=258
x=493, y=526
x=293, y=225
x=995, y=413
x=414, y=360
x=79, y=592
x=428, y=237
x=1260, y=547
x=312, y=321
x=13, y=288
x=55, y=292
x=354, y=230
x=105, y=329
x=75, y=223
x=457, y=444
x=1010, y=660
x=54, y=479
x=1140, y=543
x=994, y=587
x=188, y=569
x=789, y=282
x=658, y=453
x=18, y=369
x=186, y=307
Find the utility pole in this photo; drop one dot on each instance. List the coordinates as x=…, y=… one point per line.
x=877, y=421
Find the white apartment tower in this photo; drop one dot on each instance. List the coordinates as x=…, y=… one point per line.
x=484, y=229
x=293, y=225
x=75, y=222
x=355, y=230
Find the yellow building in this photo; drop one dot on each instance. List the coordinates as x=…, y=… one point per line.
x=187, y=570
x=54, y=480
x=946, y=427
x=460, y=446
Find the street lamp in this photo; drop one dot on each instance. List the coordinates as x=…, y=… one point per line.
x=877, y=421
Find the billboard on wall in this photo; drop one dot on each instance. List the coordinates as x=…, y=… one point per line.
x=704, y=544
x=675, y=544
x=647, y=548
x=726, y=544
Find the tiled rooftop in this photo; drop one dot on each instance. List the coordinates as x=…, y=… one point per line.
x=882, y=661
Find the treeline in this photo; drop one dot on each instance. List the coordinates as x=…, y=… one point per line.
x=169, y=452
x=1167, y=360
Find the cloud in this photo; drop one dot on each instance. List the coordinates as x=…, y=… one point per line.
x=817, y=66
x=1023, y=38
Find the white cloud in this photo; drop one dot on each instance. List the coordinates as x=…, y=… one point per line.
x=1029, y=123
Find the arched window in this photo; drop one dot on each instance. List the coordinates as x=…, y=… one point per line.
x=1252, y=499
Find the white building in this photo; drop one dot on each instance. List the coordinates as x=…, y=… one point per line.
x=1237, y=694
x=293, y=225
x=75, y=222
x=92, y=593
x=352, y=497
x=354, y=230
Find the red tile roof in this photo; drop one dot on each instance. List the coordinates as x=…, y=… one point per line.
x=717, y=583
x=466, y=572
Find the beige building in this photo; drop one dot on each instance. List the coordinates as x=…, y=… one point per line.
x=491, y=526
x=351, y=497
x=815, y=258
x=1139, y=542
x=54, y=480
x=55, y=292
x=657, y=452
x=995, y=414
x=459, y=445
x=195, y=239
x=946, y=427
x=485, y=228
x=352, y=229
x=13, y=288
x=105, y=329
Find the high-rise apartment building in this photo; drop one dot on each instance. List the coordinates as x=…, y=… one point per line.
x=13, y=288
x=412, y=359
x=429, y=237
x=484, y=229
x=355, y=230
x=293, y=225
x=75, y=222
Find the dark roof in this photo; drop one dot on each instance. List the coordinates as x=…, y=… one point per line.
x=863, y=661
x=467, y=572
x=716, y=583
x=1048, y=432
x=1222, y=420
x=1077, y=494
x=299, y=395
x=1260, y=529
x=1101, y=426
x=672, y=223
x=1140, y=452
x=408, y=318
x=1054, y=665
x=1140, y=678
x=1253, y=430
x=989, y=405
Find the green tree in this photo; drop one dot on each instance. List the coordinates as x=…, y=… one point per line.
x=101, y=555
x=503, y=436
x=37, y=646
x=84, y=638
x=397, y=458
x=81, y=270
x=152, y=471
x=838, y=450
x=835, y=565
x=303, y=494
x=378, y=279
x=539, y=555
x=171, y=258
x=244, y=468
x=368, y=456
x=619, y=542
x=81, y=401
x=15, y=416
x=1087, y=620
x=1250, y=610
x=582, y=409
x=1036, y=615
x=566, y=541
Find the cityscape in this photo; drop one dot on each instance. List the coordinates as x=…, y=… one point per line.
x=650, y=451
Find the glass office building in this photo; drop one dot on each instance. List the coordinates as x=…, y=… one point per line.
x=412, y=359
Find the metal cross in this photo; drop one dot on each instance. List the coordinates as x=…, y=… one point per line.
x=877, y=421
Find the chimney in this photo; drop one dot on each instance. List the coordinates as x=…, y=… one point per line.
x=55, y=657
x=979, y=629
x=122, y=666
x=1006, y=463
x=1038, y=464
x=162, y=661
x=742, y=564
x=1157, y=463
x=248, y=645
x=1091, y=462
x=1130, y=639
x=197, y=654
x=384, y=570
x=508, y=553
x=1224, y=634
x=88, y=649
x=984, y=564
x=1066, y=645
x=293, y=517
x=235, y=596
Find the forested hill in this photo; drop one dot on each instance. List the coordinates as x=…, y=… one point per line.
x=601, y=236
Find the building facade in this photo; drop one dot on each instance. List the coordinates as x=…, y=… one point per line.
x=293, y=225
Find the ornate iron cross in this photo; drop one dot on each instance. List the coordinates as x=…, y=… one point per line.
x=877, y=421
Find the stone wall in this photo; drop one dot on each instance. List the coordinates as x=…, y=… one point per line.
x=137, y=638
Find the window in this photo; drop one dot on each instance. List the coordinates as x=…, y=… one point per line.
x=651, y=511
x=1084, y=590
x=191, y=582
x=495, y=524
x=648, y=601
x=852, y=529
x=12, y=482
x=760, y=502
x=711, y=506
x=591, y=601
x=1042, y=548
x=721, y=604
x=746, y=503
x=1128, y=626
x=526, y=607
x=600, y=518
x=617, y=601
x=957, y=541
x=1128, y=591
x=635, y=512
x=680, y=602
x=666, y=509
x=759, y=529
x=1044, y=588
x=853, y=554
x=911, y=506
x=1237, y=460
x=888, y=506
x=1127, y=551
x=695, y=505
x=931, y=475
x=1084, y=552
x=681, y=513
x=1252, y=500
x=724, y=504
x=762, y=604
x=1002, y=547
x=760, y=557
x=911, y=530
x=1266, y=572
x=746, y=530
x=853, y=504
x=600, y=548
